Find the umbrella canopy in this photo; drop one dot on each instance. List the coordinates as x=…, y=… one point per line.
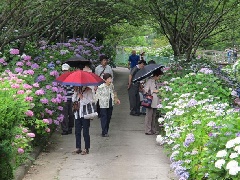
x=76, y=61
x=146, y=71
x=79, y=78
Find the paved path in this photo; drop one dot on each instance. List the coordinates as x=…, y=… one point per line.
x=128, y=154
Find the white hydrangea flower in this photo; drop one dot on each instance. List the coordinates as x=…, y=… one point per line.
x=237, y=140
x=160, y=120
x=232, y=164
x=234, y=171
x=159, y=139
x=233, y=155
x=221, y=153
x=230, y=144
x=237, y=148
x=219, y=163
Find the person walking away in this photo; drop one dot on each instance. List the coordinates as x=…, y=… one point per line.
x=151, y=87
x=84, y=96
x=103, y=68
x=68, y=122
x=133, y=60
x=133, y=89
x=107, y=98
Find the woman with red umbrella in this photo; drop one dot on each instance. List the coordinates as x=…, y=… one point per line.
x=84, y=95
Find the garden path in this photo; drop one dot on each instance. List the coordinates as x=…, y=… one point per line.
x=128, y=154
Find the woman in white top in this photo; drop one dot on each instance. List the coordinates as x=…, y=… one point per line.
x=84, y=95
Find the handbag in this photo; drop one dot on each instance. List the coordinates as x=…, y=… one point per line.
x=147, y=100
x=90, y=111
x=76, y=106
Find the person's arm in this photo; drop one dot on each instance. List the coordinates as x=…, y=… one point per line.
x=129, y=80
x=129, y=62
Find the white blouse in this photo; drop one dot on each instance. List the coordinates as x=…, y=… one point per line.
x=87, y=98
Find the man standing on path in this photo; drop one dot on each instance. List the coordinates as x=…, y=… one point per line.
x=103, y=68
x=133, y=60
x=68, y=121
x=133, y=90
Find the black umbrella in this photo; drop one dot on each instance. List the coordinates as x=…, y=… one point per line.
x=146, y=71
x=77, y=61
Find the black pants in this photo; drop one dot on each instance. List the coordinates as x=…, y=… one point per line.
x=68, y=122
x=134, y=98
x=84, y=124
x=106, y=114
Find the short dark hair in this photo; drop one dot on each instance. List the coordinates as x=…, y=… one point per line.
x=142, y=61
x=158, y=72
x=102, y=57
x=106, y=76
x=151, y=62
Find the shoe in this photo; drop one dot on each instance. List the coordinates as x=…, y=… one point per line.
x=105, y=135
x=78, y=151
x=69, y=132
x=85, y=151
x=148, y=134
x=143, y=113
x=64, y=133
x=134, y=114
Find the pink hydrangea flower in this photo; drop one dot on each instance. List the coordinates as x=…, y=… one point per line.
x=36, y=85
x=20, y=151
x=19, y=63
x=14, y=51
x=16, y=86
x=27, y=58
x=27, y=86
x=31, y=135
x=44, y=101
x=29, y=113
x=40, y=92
x=46, y=121
x=28, y=63
x=60, y=108
x=47, y=130
x=20, y=92
x=2, y=60
x=29, y=98
x=25, y=130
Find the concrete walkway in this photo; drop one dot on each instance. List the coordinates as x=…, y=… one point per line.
x=128, y=154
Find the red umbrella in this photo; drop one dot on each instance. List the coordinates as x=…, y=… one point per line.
x=79, y=78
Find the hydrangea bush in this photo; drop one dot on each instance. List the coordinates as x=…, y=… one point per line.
x=199, y=122
x=31, y=102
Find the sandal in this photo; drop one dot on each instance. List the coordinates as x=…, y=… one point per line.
x=85, y=151
x=77, y=151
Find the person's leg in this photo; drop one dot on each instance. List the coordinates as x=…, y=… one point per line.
x=109, y=116
x=71, y=117
x=131, y=99
x=86, y=125
x=138, y=103
x=148, y=120
x=78, y=129
x=64, y=123
x=103, y=118
x=153, y=127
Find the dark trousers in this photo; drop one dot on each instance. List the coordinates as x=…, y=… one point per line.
x=134, y=98
x=84, y=124
x=68, y=122
x=106, y=114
